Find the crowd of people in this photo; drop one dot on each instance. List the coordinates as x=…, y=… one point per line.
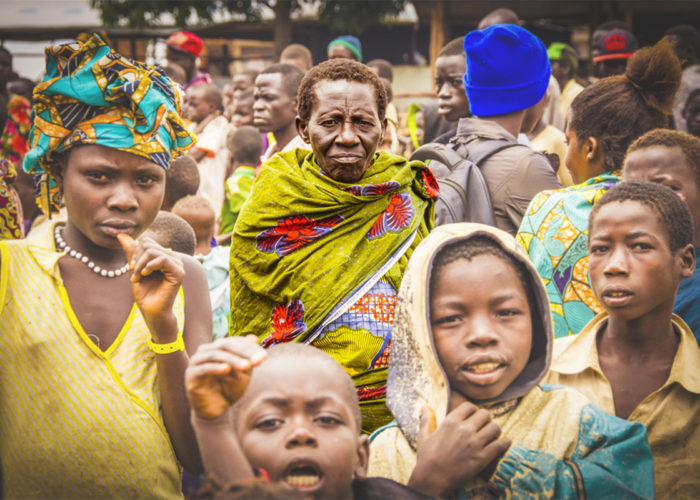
x=254, y=291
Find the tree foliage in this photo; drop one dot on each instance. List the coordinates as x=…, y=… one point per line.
x=351, y=16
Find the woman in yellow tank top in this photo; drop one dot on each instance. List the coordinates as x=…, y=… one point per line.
x=96, y=325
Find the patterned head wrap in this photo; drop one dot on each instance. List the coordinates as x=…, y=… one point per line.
x=92, y=95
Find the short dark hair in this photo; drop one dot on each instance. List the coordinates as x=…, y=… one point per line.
x=688, y=144
x=212, y=95
x=297, y=51
x=670, y=209
x=383, y=67
x=252, y=74
x=618, y=109
x=246, y=145
x=291, y=76
x=181, y=179
x=338, y=69
x=306, y=353
x=247, y=94
x=172, y=231
x=454, y=47
x=198, y=212
x=470, y=248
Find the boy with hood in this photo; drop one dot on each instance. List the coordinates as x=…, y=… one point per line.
x=472, y=341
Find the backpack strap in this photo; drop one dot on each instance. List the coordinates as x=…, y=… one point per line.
x=486, y=149
x=442, y=153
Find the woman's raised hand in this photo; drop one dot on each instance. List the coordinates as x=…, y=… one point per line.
x=219, y=373
x=156, y=276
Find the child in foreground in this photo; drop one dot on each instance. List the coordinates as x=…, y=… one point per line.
x=471, y=342
x=289, y=413
x=637, y=360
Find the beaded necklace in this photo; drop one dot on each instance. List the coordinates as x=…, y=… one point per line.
x=58, y=236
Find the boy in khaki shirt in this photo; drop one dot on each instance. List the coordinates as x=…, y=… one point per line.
x=637, y=360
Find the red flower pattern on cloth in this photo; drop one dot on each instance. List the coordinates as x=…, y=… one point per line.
x=374, y=189
x=430, y=182
x=396, y=217
x=367, y=393
x=293, y=233
x=287, y=322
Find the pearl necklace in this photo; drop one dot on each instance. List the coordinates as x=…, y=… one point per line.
x=84, y=258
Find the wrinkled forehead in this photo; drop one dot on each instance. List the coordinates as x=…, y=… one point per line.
x=289, y=380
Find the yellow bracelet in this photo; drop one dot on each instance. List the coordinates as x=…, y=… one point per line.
x=177, y=345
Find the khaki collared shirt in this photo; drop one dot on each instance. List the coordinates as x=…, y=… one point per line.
x=671, y=414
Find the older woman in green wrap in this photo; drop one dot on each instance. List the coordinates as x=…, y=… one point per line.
x=320, y=247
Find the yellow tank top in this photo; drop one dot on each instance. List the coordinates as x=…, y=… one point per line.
x=75, y=422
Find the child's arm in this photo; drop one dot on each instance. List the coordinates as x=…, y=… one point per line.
x=612, y=459
x=157, y=275
x=464, y=445
x=217, y=377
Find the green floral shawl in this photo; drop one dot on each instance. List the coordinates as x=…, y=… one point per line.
x=304, y=242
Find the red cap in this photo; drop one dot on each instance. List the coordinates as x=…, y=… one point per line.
x=615, y=44
x=185, y=41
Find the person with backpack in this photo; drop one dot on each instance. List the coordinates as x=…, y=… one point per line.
x=505, y=82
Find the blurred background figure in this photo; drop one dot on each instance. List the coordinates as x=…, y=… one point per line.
x=203, y=108
x=611, y=50
x=298, y=55
x=347, y=46
x=183, y=49
x=564, y=63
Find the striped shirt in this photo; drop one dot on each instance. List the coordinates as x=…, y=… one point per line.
x=75, y=422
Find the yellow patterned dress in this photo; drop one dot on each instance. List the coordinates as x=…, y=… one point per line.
x=554, y=232
x=75, y=422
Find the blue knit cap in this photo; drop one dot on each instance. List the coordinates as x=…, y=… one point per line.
x=507, y=70
x=351, y=42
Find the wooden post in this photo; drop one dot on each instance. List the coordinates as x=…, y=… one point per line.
x=437, y=32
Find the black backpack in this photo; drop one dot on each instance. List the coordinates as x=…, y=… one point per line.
x=464, y=195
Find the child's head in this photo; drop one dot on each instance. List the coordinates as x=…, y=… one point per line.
x=670, y=158
x=472, y=322
x=199, y=214
x=202, y=101
x=299, y=419
x=245, y=145
x=481, y=317
x=242, y=109
x=450, y=66
x=245, y=80
x=298, y=55
x=640, y=247
x=172, y=231
x=181, y=179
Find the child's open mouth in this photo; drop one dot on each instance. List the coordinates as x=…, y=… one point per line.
x=617, y=297
x=303, y=477
x=483, y=367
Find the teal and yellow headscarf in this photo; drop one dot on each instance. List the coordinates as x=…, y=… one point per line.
x=92, y=95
